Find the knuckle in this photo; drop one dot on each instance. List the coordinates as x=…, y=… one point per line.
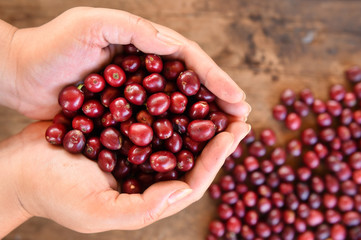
x=150, y=216
x=137, y=21
x=193, y=44
x=197, y=196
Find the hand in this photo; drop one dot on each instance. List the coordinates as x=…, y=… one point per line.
x=72, y=190
x=83, y=40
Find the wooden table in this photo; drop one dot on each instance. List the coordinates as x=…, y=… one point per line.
x=266, y=46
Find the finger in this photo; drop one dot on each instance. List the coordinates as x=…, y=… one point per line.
x=239, y=130
x=240, y=109
x=134, y=211
x=208, y=164
x=119, y=27
x=210, y=74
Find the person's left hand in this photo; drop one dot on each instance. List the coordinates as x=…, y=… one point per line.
x=73, y=191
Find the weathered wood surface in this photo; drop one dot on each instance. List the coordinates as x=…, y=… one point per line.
x=266, y=46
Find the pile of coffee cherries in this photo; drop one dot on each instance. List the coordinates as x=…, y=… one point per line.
x=142, y=119
x=308, y=190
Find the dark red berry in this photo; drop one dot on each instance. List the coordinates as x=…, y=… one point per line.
x=154, y=83
x=293, y=121
x=120, y=109
x=131, y=186
x=288, y=97
x=188, y=83
x=107, y=160
x=74, y=141
x=93, y=108
x=130, y=63
x=153, y=63
x=83, y=124
x=163, y=128
x=140, y=134
x=55, y=133
x=114, y=75
x=172, y=69
x=71, y=98
x=158, y=103
x=198, y=110
x=163, y=161
x=138, y=155
x=353, y=74
x=92, y=148
x=178, y=102
x=185, y=160
x=279, y=112
x=94, y=83
x=201, y=130
x=135, y=93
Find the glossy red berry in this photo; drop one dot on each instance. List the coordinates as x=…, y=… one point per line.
x=154, y=83
x=201, y=130
x=188, y=83
x=138, y=155
x=163, y=128
x=140, y=134
x=111, y=138
x=93, y=108
x=71, y=98
x=172, y=69
x=92, y=148
x=135, y=93
x=114, y=75
x=178, y=103
x=120, y=109
x=158, y=103
x=74, y=141
x=293, y=121
x=153, y=63
x=163, y=161
x=94, y=83
x=130, y=63
x=107, y=160
x=185, y=160
x=55, y=133
x=83, y=124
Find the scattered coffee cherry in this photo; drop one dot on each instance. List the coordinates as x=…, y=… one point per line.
x=313, y=191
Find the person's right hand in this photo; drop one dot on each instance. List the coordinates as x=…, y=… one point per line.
x=43, y=60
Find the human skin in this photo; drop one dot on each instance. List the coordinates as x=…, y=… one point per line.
x=38, y=179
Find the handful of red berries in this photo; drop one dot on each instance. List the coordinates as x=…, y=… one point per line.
x=142, y=119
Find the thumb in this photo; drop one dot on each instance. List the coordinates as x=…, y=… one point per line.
x=120, y=27
x=134, y=211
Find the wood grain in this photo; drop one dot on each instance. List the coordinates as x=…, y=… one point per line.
x=266, y=46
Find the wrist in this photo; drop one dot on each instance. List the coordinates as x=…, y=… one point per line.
x=12, y=212
x=8, y=93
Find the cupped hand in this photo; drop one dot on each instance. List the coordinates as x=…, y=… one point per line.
x=73, y=191
x=83, y=40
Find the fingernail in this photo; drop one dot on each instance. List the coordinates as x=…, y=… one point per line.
x=243, y=95
x=249, y=109
x=179, y=194
x=168, y=39
x=249, y=128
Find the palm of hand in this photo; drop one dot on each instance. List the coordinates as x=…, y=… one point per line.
x=48, y=63
x=65, y=183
